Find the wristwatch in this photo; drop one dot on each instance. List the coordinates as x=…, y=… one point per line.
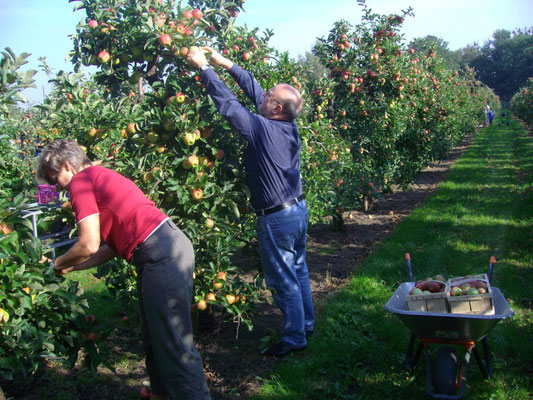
x=205, y=66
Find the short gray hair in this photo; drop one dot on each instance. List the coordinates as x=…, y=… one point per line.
x=58, y=153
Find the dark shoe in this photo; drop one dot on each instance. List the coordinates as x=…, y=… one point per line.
x=308, y=334
x=281, y=350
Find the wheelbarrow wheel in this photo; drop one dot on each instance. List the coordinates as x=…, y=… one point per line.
x=445, y=371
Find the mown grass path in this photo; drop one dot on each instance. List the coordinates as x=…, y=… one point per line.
x=484, y=208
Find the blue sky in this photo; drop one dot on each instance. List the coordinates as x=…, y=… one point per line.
x=41, y=27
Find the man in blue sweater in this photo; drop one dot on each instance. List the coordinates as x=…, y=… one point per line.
x=272, y=164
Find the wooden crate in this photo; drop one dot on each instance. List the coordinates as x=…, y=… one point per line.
x=470, y=304
x=433, y=302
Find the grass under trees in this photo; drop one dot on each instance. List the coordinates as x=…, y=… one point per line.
x=484, y=208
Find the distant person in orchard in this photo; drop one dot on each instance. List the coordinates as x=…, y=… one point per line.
x=112, y=209
x=487, y=112
x=491, y=116
x=272, y=164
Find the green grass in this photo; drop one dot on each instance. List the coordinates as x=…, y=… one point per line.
x=484, y=208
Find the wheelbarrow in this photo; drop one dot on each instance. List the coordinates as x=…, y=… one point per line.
x=445, y=379
x=504, y=119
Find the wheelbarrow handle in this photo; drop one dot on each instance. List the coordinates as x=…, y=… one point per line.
x=491, y=265
x=409, y=269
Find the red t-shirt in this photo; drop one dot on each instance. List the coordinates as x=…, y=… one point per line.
x=127, y=217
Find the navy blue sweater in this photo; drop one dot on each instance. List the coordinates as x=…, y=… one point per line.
x=272, y=157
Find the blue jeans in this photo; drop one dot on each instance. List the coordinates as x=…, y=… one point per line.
x=282, y=241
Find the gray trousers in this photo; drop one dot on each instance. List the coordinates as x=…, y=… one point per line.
x=165, y=265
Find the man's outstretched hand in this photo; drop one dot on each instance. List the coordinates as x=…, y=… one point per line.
x=196, y=57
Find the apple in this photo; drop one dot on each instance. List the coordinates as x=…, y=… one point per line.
x=104, y=56
x=186, y=164
x=433, y=287
x=246, y=56
x=6, y=229
x=125, y=318
x=93, y=23
x=148, y=177
x=230, y=298
x=201, y=305
x=189, y=138
x=466, y=287
x=211, y=297
x=207, y=133
x=152, y=137
x=4, y=315
x=209, y=223
x=472, y=291
x=184, y=51
x=440, y=278
x=197, y=194
x=188, y=14
x=480, y=285
x=218, y=285
x=161, y=149
x=219, y=155
x=456, y=291
x=165, y=40
x=145, y=393
x=416, y=291
x=193, y=160
x=132, y=128
x=221, y=275
x=198, y=14
x=180, y=97
x=482, y=290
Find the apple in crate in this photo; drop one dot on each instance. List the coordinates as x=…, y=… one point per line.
x=456, y=291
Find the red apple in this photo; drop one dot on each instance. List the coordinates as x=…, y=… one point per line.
x=104, y=56
x=196, y=13
x=165, y=40
x=197, y=194
x=132, y=128
x=93, y=23
x=220, y=154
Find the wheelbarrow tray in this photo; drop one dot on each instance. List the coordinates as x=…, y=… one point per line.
x=446, y=326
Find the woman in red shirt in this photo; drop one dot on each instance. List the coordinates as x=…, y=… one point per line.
x=112, y=209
